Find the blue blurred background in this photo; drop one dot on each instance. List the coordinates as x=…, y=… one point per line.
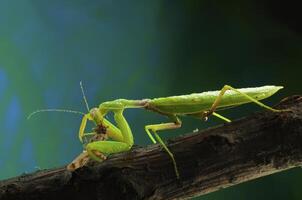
x=135, y=49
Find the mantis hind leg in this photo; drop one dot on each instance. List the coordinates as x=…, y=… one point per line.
x=158, y=127
x=222, y=92
x=96, y=150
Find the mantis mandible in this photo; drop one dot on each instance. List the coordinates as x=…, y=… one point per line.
x=197, y=105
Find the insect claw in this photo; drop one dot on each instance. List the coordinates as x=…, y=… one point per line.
x=206, y=114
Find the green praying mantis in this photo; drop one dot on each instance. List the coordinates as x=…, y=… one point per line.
x=197, y=105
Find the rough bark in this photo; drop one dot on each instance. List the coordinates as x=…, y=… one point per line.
x=248, y=148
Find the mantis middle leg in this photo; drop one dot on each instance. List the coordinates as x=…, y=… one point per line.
x=96, y=150
x=121, y=104
x=165, y=126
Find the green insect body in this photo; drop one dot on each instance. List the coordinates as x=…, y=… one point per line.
x=197, y=102
x=198, y=105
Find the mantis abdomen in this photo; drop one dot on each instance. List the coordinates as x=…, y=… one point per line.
x=198, y=102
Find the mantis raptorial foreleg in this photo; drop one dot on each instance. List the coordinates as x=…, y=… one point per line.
x=120, y=105
x=97, y=148
x=83, y=125
x=111, y=131
x=93, y=149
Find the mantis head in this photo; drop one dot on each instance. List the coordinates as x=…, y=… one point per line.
x=100, y=128
x=94, y=115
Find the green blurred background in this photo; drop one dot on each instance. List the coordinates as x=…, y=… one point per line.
x=136, y=49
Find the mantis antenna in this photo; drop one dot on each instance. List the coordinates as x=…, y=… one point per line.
x=84, y=97
x=63, y=110
x=54, y=110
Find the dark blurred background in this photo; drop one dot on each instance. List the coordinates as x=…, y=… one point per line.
x=137, y=49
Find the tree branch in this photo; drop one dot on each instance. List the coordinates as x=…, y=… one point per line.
x=219, y=157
